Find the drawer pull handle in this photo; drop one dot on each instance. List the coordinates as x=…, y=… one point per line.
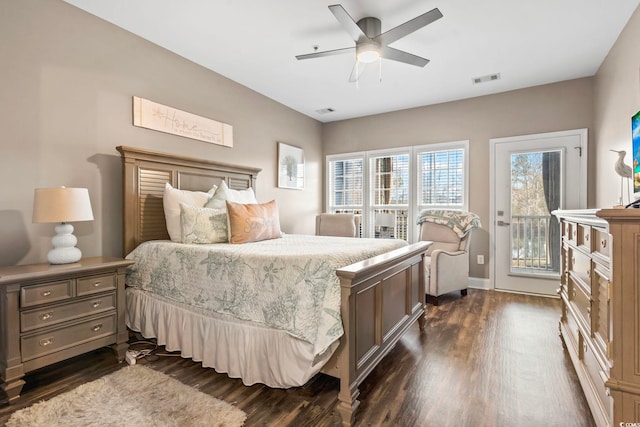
x=586, y=237
x=588, y=310
x=96, y=304
x=96, y=284
x=97, y=327
x=46, y=316
x=45, y=293
x=46, y=341
x=603, y=243
x=589, y=273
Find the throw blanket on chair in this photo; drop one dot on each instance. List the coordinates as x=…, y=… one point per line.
x=459, y=221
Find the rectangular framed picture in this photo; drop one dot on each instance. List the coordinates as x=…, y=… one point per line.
x=290, y=166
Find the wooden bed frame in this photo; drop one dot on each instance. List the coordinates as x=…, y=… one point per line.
x=381, y=297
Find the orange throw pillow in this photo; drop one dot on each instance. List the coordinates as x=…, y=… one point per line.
x=253, y=222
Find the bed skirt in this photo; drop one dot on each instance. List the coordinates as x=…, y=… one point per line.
x=245, y=350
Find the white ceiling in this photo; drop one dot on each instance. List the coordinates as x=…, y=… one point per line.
x=254, y=42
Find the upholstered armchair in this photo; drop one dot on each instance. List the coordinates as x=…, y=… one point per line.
x=338, y=224
x=447, y=260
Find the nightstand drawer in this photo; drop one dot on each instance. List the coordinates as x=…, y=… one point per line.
x=54, y=340
x=46, y=293
x=52, y=315
x=94, y=284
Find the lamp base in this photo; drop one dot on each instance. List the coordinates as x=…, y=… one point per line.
x=64, y=242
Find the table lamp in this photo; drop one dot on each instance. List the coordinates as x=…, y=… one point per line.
x=386, y=221
x=62, y=205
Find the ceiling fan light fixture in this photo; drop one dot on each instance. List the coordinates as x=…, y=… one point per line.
x=368, y=53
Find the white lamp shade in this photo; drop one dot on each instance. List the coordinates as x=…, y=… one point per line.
x=61, y=204
x=385, y=220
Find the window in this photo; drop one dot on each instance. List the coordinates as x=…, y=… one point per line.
x=390, y=195
x=441, y=179
x=346, y=185
x=390, y=187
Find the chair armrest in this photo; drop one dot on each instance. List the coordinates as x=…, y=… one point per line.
x=449, y=271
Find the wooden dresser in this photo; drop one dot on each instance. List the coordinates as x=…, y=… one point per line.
x=49, y=313
x=600, y=322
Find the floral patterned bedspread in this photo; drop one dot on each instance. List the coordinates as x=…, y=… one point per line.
x=287, y=283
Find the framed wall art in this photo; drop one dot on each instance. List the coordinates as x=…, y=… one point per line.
x=290, y=166
x=151, y=115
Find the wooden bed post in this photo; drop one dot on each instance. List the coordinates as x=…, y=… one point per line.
x=381, y=298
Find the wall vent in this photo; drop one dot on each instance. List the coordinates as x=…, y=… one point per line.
x=325, y=110
x=487, y=78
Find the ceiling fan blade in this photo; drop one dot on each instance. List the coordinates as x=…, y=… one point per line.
x=402, y=56
x=327, y=53
x=356, y=72
x=347, y=22
x=408, y=27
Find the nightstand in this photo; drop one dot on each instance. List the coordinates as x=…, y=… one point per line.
x=49, y=313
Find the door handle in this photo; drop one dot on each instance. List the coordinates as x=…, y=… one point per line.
x=503, y=224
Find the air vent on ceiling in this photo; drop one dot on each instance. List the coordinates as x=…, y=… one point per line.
x=325, y=110
x=487, y=78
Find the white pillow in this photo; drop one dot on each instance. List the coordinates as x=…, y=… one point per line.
x=203, y=225
x=224, y=193
x=171, y=199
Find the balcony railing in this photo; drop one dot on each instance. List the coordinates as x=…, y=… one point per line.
x=530, y=248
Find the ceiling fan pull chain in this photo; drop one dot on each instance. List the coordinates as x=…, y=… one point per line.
x=380, y=69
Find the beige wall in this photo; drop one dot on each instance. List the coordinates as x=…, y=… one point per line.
x=560, y=106
x=617, y=98
x=65, y=104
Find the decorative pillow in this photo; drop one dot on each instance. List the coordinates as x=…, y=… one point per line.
x=224, y=193
x=203, y=225
x=171, y=199
x=253, y=222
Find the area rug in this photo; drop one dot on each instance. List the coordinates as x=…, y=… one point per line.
x=132, y=396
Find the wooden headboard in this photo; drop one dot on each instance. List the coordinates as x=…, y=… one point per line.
x=144, y=175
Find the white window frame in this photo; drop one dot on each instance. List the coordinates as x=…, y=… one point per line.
x=413, y=208
x=447, y=146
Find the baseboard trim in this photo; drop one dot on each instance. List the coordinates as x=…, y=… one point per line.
x=479, y=283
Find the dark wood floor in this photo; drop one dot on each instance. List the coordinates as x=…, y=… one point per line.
x=487, y=359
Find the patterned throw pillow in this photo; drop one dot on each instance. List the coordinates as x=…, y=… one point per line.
x=253, y=222
x=171, y=199
x=203, y=225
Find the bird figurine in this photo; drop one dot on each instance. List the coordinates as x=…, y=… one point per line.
x=625, y=171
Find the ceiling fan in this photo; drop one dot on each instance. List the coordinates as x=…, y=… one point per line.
x=371, y=45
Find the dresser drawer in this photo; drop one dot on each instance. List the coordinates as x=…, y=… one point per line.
x=52, y=315
x=580, y=266
x=53, y=340
x=570, y=231
x=583, y=237
x=572, y=328
x=95, y=284
x=581, y=304
x=601, y=245
x=46, y=293
x=598, y=376
x=601, y=313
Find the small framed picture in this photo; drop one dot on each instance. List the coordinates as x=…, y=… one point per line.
x=290, y=166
